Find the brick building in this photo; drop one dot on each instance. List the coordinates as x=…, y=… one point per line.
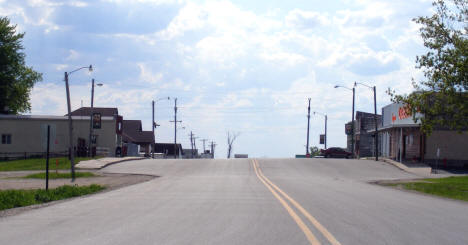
x=364, y=141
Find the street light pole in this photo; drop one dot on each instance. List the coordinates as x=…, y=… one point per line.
x=308, y=123
x=70, y=122
x=376, y=133
x=326, y=118
x=352, y=118
x=154, y=125
x=70, y=131
x=325, y=131
x=152, y=128
x=90, y=154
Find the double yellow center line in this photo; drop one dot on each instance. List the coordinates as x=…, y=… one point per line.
x=281, y=196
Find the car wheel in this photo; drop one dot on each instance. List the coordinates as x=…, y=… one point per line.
x=327, y=156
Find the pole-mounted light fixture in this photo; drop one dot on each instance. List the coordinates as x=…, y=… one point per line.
x=71, y=149
x=352, y=117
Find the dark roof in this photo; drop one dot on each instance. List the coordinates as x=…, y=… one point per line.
x=131, y=125
x=132, y=133
x=167, y=148
x=85, y=111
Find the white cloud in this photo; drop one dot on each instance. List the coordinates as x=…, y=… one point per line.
x=146, y=75
x=73, y=55
x=306, y=19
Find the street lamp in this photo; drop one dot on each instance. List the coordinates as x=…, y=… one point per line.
x=325, y=115
x=376, y=135
x=70, y=123
x=154, y=125
x=90, y=154
x=352, y=118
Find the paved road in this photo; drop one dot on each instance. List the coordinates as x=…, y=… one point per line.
x=241, y=201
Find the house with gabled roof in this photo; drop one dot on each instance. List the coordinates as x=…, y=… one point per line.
x=132, y=133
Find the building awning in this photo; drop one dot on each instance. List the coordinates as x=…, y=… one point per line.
x=394, y=126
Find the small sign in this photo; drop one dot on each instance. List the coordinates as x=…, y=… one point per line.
x=322, y=139
x=97, y=120
x=348, y=129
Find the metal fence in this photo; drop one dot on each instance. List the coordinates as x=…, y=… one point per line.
x=5, y=156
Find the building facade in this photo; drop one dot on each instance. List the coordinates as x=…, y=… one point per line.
x=401, y=139
x=27, y=135
x=364, y=141
x=134, y=135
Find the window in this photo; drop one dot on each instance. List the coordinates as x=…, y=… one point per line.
x=6, y=139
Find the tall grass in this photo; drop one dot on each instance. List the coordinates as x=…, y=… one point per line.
x=21, y=198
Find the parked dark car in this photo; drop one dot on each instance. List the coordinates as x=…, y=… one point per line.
x=335, y=152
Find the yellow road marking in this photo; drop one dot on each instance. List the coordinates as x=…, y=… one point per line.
x=314, y=221
x=310, y=236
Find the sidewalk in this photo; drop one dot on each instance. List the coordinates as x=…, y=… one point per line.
x=104, y=162
x=419, y=169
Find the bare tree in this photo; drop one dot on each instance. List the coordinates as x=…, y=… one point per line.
x=231, y=137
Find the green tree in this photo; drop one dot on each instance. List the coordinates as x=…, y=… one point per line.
x=442, y=96
x=314, y=151
x=16, y=79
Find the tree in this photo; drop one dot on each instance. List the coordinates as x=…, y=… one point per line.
x=442, y=97
x=314, y=151
x=231, y=137
x=16, y=79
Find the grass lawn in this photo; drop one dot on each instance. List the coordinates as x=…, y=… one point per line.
x=38, y=164
x=21, y=198
x=451, y=187
x=53, y=175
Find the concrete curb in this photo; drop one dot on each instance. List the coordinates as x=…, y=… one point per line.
x=424, y=171
x=103, y=162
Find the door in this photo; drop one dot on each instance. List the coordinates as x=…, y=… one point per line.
x=405, y=137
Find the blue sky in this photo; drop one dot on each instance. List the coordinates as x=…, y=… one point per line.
x=239, y=66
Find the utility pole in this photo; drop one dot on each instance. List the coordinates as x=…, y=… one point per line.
x=352, y=124
x=195, y=145
x=326, y=118
x=204, y=150
x=212, y=148
x=70, y=131
x=191, y=142
x=376, y=132
x=175, y=127
x=308, y=124
x=152, y=127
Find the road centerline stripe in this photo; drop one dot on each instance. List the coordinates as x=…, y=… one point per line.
x=308, y=233
x=314, y=221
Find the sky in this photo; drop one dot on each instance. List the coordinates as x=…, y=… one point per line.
x=246, y=67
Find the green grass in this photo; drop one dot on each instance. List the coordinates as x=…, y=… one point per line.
x=451, y=187
x=21, y=198
x=38, y=164
x=53, y=175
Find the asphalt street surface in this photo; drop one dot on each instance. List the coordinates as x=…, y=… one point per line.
x=247, y=201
